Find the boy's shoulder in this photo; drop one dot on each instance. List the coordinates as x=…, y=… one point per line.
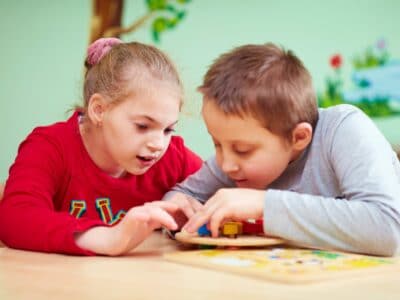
x=342, y=121
x=339, y=111
x=331, y=117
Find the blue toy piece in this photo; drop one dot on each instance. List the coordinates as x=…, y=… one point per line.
x=203, y=231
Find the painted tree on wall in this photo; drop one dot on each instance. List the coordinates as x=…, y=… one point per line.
x=106, y=20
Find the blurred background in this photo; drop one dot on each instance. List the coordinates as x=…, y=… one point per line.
x=352, y=49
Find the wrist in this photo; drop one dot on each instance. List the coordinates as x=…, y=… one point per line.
x=99, y=239
x=259, y=204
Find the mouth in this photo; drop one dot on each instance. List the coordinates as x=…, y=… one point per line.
x=147, y=160
x=241, y=183
x=237, y=180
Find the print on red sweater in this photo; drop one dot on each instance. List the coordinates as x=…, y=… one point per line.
x=78, y=208
x=103, y=206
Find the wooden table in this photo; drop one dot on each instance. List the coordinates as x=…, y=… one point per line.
x=146, y=275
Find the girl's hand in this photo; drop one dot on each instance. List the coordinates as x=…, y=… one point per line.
x=136, y=226
x=236, y=204
x=187, y=207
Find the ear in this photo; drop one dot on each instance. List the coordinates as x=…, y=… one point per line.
x=96, y=108
x=301, y=136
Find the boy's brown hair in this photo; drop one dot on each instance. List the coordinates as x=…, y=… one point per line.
x=263, y=81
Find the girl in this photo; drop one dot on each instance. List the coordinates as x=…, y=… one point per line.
x=85, y=186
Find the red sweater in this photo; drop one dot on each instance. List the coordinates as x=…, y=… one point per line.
x=54, y=189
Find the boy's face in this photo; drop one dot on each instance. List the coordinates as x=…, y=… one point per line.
x=248, y=153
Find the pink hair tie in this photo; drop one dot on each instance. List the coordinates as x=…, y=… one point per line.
x=99, y=48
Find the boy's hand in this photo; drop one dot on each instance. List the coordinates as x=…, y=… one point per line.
x=236, y=204
x=137, y=225
x=187, y=207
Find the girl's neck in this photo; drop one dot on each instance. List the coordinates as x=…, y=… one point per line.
x=96, y=148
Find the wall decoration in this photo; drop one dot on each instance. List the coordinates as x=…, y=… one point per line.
x=107, y=15
x=375, y=78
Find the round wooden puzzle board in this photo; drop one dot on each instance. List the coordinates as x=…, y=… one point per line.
x=240, y=241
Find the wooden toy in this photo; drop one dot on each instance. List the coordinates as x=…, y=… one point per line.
x=240, y=241
x=288, y=265
x=232, y=234
x=253, y=226
x=203, y=231
x=232, y=229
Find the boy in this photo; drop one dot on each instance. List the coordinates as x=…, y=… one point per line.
x=322, y=178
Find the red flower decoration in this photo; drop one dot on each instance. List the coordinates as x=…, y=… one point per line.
x=336, y=61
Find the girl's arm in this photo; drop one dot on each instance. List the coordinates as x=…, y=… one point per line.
x=133, y=229
x=1, y=190
x=28, y=217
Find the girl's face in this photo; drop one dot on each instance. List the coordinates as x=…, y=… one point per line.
x=136, y=132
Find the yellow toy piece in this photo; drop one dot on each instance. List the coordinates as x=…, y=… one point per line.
x=232, y=229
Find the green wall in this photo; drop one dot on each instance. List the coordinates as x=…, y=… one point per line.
x=44, y=42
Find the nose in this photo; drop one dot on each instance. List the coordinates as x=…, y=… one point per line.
x=228, y=164
x=156, y=142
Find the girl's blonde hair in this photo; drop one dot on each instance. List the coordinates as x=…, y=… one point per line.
x=112, y=67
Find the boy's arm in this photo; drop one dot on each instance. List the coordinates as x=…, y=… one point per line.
x=367, y=217
x=196, y=189
x=202, y=184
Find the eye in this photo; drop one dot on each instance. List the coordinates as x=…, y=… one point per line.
x=242, y=152
x=169, y=131
x=141, y=127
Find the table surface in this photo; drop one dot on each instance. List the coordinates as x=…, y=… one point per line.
x=144, y=274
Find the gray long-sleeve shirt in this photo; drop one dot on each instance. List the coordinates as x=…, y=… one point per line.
x=343, y=192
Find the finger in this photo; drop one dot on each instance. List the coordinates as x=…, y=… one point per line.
x=139, y=216
x=135, y=227
x=202, y=216
x=138, y=213
x=189, y=205
x=195, y=222
x=213, y=202
x=186, y=206
x=135, y=218
x=160, y=218
x=196, y=205
x=170, y=207
x=183, y=203
x=215, y=221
